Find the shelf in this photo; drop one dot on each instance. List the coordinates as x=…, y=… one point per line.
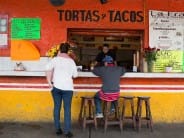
x=108, y=42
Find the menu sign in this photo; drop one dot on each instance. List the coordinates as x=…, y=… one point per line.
x=169, y=58
x=25, y=28
x=166, y=30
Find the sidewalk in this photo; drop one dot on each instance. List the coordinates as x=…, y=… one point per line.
x=46, y=130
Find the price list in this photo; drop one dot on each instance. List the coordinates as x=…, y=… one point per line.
x=25, y=28
x=172, y=58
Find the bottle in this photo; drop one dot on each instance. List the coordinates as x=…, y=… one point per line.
x=92, y=66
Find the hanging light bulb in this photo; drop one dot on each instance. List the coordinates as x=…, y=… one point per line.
x=103, y=1
x=57, y=2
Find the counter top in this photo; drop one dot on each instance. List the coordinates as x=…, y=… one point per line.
x=89, y=74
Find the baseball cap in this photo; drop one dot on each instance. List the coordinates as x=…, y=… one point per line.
x=108, y=59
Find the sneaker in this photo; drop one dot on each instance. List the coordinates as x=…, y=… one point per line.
x=59, y=132
x=69, y=135
x=112, y=111
x=99, y=115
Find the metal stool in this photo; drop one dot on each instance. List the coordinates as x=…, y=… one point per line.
x=132, y=117
x=109, y=121
x=87, y=102
x=148, y=117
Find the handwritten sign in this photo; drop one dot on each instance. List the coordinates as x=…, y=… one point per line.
x=25, y=28
x=166, y=30
x=165, y=58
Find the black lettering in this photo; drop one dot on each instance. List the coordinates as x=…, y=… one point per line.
x=117, y=16
x=111, y=15
x=88, y=16
x=60, y=14
x=68, y=15
x=168, y=14
x=160, y=14
x=124, y=16
x=82, y=15
x=140, y=16
x=132, y=16
x=96, y=16
x=175, y=14
x=75, y=15
x=152, y=14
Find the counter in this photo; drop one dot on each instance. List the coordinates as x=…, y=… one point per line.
x=27, y=93
x=89, y=74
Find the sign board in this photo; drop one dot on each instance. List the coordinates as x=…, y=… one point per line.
x=3, y=40
x=165, y=58
x=25, y=28
x=166, y=30
x=3, y=30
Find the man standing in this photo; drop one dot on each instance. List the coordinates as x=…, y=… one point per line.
x=105, y=55
x=110, y=89
x=60, y=72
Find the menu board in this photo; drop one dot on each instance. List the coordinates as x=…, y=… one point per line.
x=25, y=28
x=166, y=58
x=166, y=30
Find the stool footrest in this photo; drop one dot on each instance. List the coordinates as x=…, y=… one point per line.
x=145, y=118
x=128, y=117
x=113, y=123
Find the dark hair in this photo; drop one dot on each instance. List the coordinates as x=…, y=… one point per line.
x=106, y=45
x=64, y=47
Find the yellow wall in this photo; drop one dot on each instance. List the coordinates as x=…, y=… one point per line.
x=37, y=106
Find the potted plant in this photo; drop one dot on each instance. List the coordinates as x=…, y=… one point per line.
x=150, y=57
x=53, y=52
x=169, y=66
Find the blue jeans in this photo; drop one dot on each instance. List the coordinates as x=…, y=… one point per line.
x=98, y=103
x=59, y=95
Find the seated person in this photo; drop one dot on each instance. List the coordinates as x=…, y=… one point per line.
x=110, y=90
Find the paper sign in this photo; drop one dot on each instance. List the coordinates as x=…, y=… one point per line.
x=3, y=40
x=166, y=30
x=169, y=58
x=25, y=28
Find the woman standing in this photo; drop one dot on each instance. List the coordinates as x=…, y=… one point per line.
x=60, y=72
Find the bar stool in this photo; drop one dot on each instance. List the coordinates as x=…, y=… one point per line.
x=111, y=121
x=129, y=99
x=148, y=117
x=87, y=102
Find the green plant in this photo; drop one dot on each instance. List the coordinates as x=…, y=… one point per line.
x=150, y=54
x=53, y=52
x=170, y=64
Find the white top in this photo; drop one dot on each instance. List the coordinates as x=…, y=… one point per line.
x=65, y=70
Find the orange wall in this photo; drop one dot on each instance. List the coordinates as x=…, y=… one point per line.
x=54, y=31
